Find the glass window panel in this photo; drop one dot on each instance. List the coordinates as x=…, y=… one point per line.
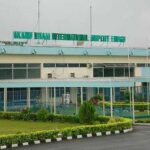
x=83, y=65
x=126, y=72
x=98, y=72
x=33, y=73
x=119, y=72
x=5, y=65
x=132, y=72
x=19, y=65
x=141, y=65
x=5, y=73
x=61, y=65
x=98, y=65
x=34, y=65
x=48, y=65
x=73, y=65
x=108, y=72
x=20, y=74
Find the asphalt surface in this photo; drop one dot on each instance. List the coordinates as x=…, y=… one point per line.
x=139, y=139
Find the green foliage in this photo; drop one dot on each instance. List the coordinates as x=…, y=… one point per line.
x=95, y=100
x=53, y=134
x=42, y=114
x=141, y=106
x=38, y=116
x=87, y=113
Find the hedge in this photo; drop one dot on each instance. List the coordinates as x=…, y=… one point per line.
x=34, y=117
x=53, y=134
x=141, y=106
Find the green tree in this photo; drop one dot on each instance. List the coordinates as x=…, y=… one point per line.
x=87, y=113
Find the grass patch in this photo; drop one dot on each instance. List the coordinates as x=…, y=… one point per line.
x=16, y=127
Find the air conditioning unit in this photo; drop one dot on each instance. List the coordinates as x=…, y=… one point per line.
x=49, y=75
x=72, y=75
x=89, y=65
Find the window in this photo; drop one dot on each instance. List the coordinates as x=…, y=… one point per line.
x=108, y=72
x=73, y=65
x=61, y=65
x=34, y=73
x=83, y=65
x=119, y=72
x=5, y=73
x=20, y=74
x=98, y=72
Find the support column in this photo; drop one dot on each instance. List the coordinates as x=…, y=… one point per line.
x=130, y=98
x=5, y=99
x=81, y=92
x=51, y=99
x=133, y=114
x=28, y=98
x=114, y=96
x=73, y=95
x=90, y=93
x=111, y=102
x=54, y=100
x=103, y=102
x=46, y=96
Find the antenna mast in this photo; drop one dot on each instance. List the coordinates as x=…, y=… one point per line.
x=38, y=15
x=91, y=23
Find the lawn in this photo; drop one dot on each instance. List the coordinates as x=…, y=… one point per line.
x=13, y=126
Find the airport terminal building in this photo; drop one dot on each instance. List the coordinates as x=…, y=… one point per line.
x=61, y=78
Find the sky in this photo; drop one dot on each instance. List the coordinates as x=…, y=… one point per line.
x=130, y=18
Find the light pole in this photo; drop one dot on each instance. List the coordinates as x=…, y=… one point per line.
x=91, y=23
x=147, y=66
x=38, y=21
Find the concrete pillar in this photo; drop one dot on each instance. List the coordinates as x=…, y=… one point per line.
x=73, y=95
x=111, y=102
x=43, y=95
x=103, y=102
x=28, y=98
x=5, y=99
x=51, y=98
x=90, y=93
x=114, y=96
x=81, y=92
x=46, y=96
x=54, y=100
x=133, y=114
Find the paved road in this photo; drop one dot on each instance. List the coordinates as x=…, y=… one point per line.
x=137, y=140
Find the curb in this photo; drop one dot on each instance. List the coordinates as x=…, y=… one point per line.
x=58, y=139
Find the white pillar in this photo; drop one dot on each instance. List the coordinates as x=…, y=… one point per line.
x=81, y=92
x=5, y=99
x=28, y=98
x=114, y=96
x=73, y=94
x=111, y=102
x=103, y=102
x=54, y=100
x=46, y=96
x=51, y=99
x=133, y=114
x=90, y=93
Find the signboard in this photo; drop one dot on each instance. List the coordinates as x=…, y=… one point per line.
x=120, y=39
x=100, y=38
x=67, y=37
x=22, y=35
x=41, y=36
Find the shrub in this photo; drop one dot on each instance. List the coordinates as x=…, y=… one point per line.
x=95, y=100
x=87, y=113
x=42, y=114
